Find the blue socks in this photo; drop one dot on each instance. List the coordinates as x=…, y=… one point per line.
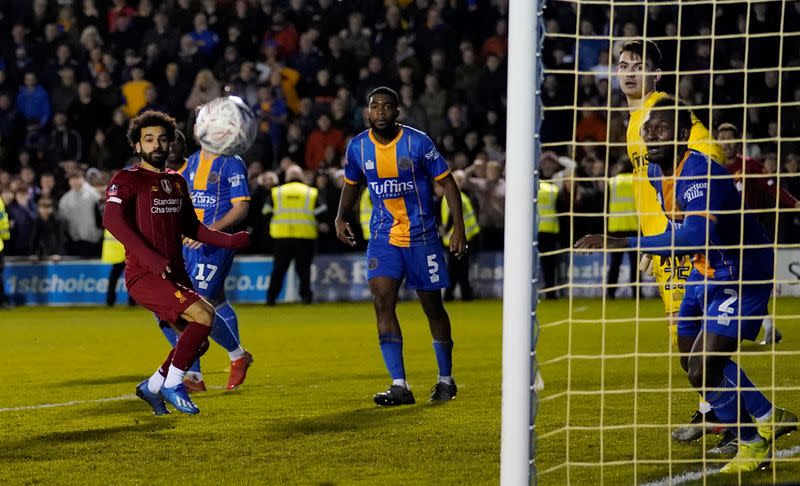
x=756, y=403
x=222, y=332
x=392, y=351
x=733, y=406
x=444, y=356
x=225, y=311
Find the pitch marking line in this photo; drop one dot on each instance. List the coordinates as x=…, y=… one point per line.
x=66, y=404
x=80, y=402
x=697, y=475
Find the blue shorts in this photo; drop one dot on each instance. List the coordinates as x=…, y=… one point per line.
x=727, y=309
x=208, y=266
x=424, y=267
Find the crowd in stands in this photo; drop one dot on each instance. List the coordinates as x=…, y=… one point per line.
x=755, y=55
x=74, y=72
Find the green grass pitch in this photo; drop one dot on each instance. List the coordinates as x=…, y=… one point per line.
x=305, y=414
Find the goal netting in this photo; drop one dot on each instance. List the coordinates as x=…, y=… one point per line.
x=613, y=386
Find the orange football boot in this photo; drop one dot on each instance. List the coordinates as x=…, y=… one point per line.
x=239, y=370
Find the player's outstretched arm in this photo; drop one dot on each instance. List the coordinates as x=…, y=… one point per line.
x=689, y=238
x=192, y=227
x=458, y=240
x=348, y=199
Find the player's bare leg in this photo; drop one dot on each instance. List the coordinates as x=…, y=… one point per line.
x=445, y=388
x=731, y=394
x=384, y=298
x=704, y=420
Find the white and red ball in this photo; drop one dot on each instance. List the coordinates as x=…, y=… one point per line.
x=225, y=126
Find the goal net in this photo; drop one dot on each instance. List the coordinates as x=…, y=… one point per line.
x=614, y=390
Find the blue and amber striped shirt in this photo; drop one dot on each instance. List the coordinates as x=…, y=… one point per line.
x=399, y=177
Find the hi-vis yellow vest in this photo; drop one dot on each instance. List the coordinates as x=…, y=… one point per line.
x=365, y=213
x=652, y=220
x=471, y=227
x=113, y=250
x=546, y=198
x=5, y=225
x=293, y=211
x=621, y=205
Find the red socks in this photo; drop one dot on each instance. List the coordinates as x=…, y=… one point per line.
x=189, y=346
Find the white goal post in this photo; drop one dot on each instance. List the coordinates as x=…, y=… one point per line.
x=519, y=288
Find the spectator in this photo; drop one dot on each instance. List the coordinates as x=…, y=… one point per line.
x=100, y=153
x=22, y=215
x=272, y=114
x=189, y=58
x=86, y=115
x=107, y=94
x=161, y=34
x=323, y=137
x=592, y=127
x=492, y=84
x=490, y=192
x=116, y=140
x=48, y=238
x=135, y=92
x=433, y=100
x=308, y=59
x=589, y=48
x=152, y=103
x=341, y=63
x=65, y=143
x=33, y=102
x=322, y=90
x=205, y=39
x=12, y=125
x=65, y=93
x=497, y=45
x=173, y=91
x=47, y=187
x=295, y=141
x=371, y=77
x=467, y=76
x=388, y=32
x=283, y=35
x=78, y=208
x=205, y=89
x=356, y=38
x=119, y=9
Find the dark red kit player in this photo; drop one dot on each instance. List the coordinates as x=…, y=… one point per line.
x=149, y=210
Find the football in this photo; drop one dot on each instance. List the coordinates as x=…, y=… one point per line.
x=225, y=126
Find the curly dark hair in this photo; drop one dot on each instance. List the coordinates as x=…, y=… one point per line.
x=150, y=118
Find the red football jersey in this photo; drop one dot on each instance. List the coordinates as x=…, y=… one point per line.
x=759, y=192
x=157, y=207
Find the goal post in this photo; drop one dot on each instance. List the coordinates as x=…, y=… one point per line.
x=520, y=259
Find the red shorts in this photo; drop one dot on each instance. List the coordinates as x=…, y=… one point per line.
x=166, y=298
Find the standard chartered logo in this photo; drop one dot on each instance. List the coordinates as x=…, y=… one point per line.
x=391, y=188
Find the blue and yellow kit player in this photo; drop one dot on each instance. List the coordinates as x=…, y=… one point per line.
x=729, y=287
x=220, y=195
x=399, y=166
